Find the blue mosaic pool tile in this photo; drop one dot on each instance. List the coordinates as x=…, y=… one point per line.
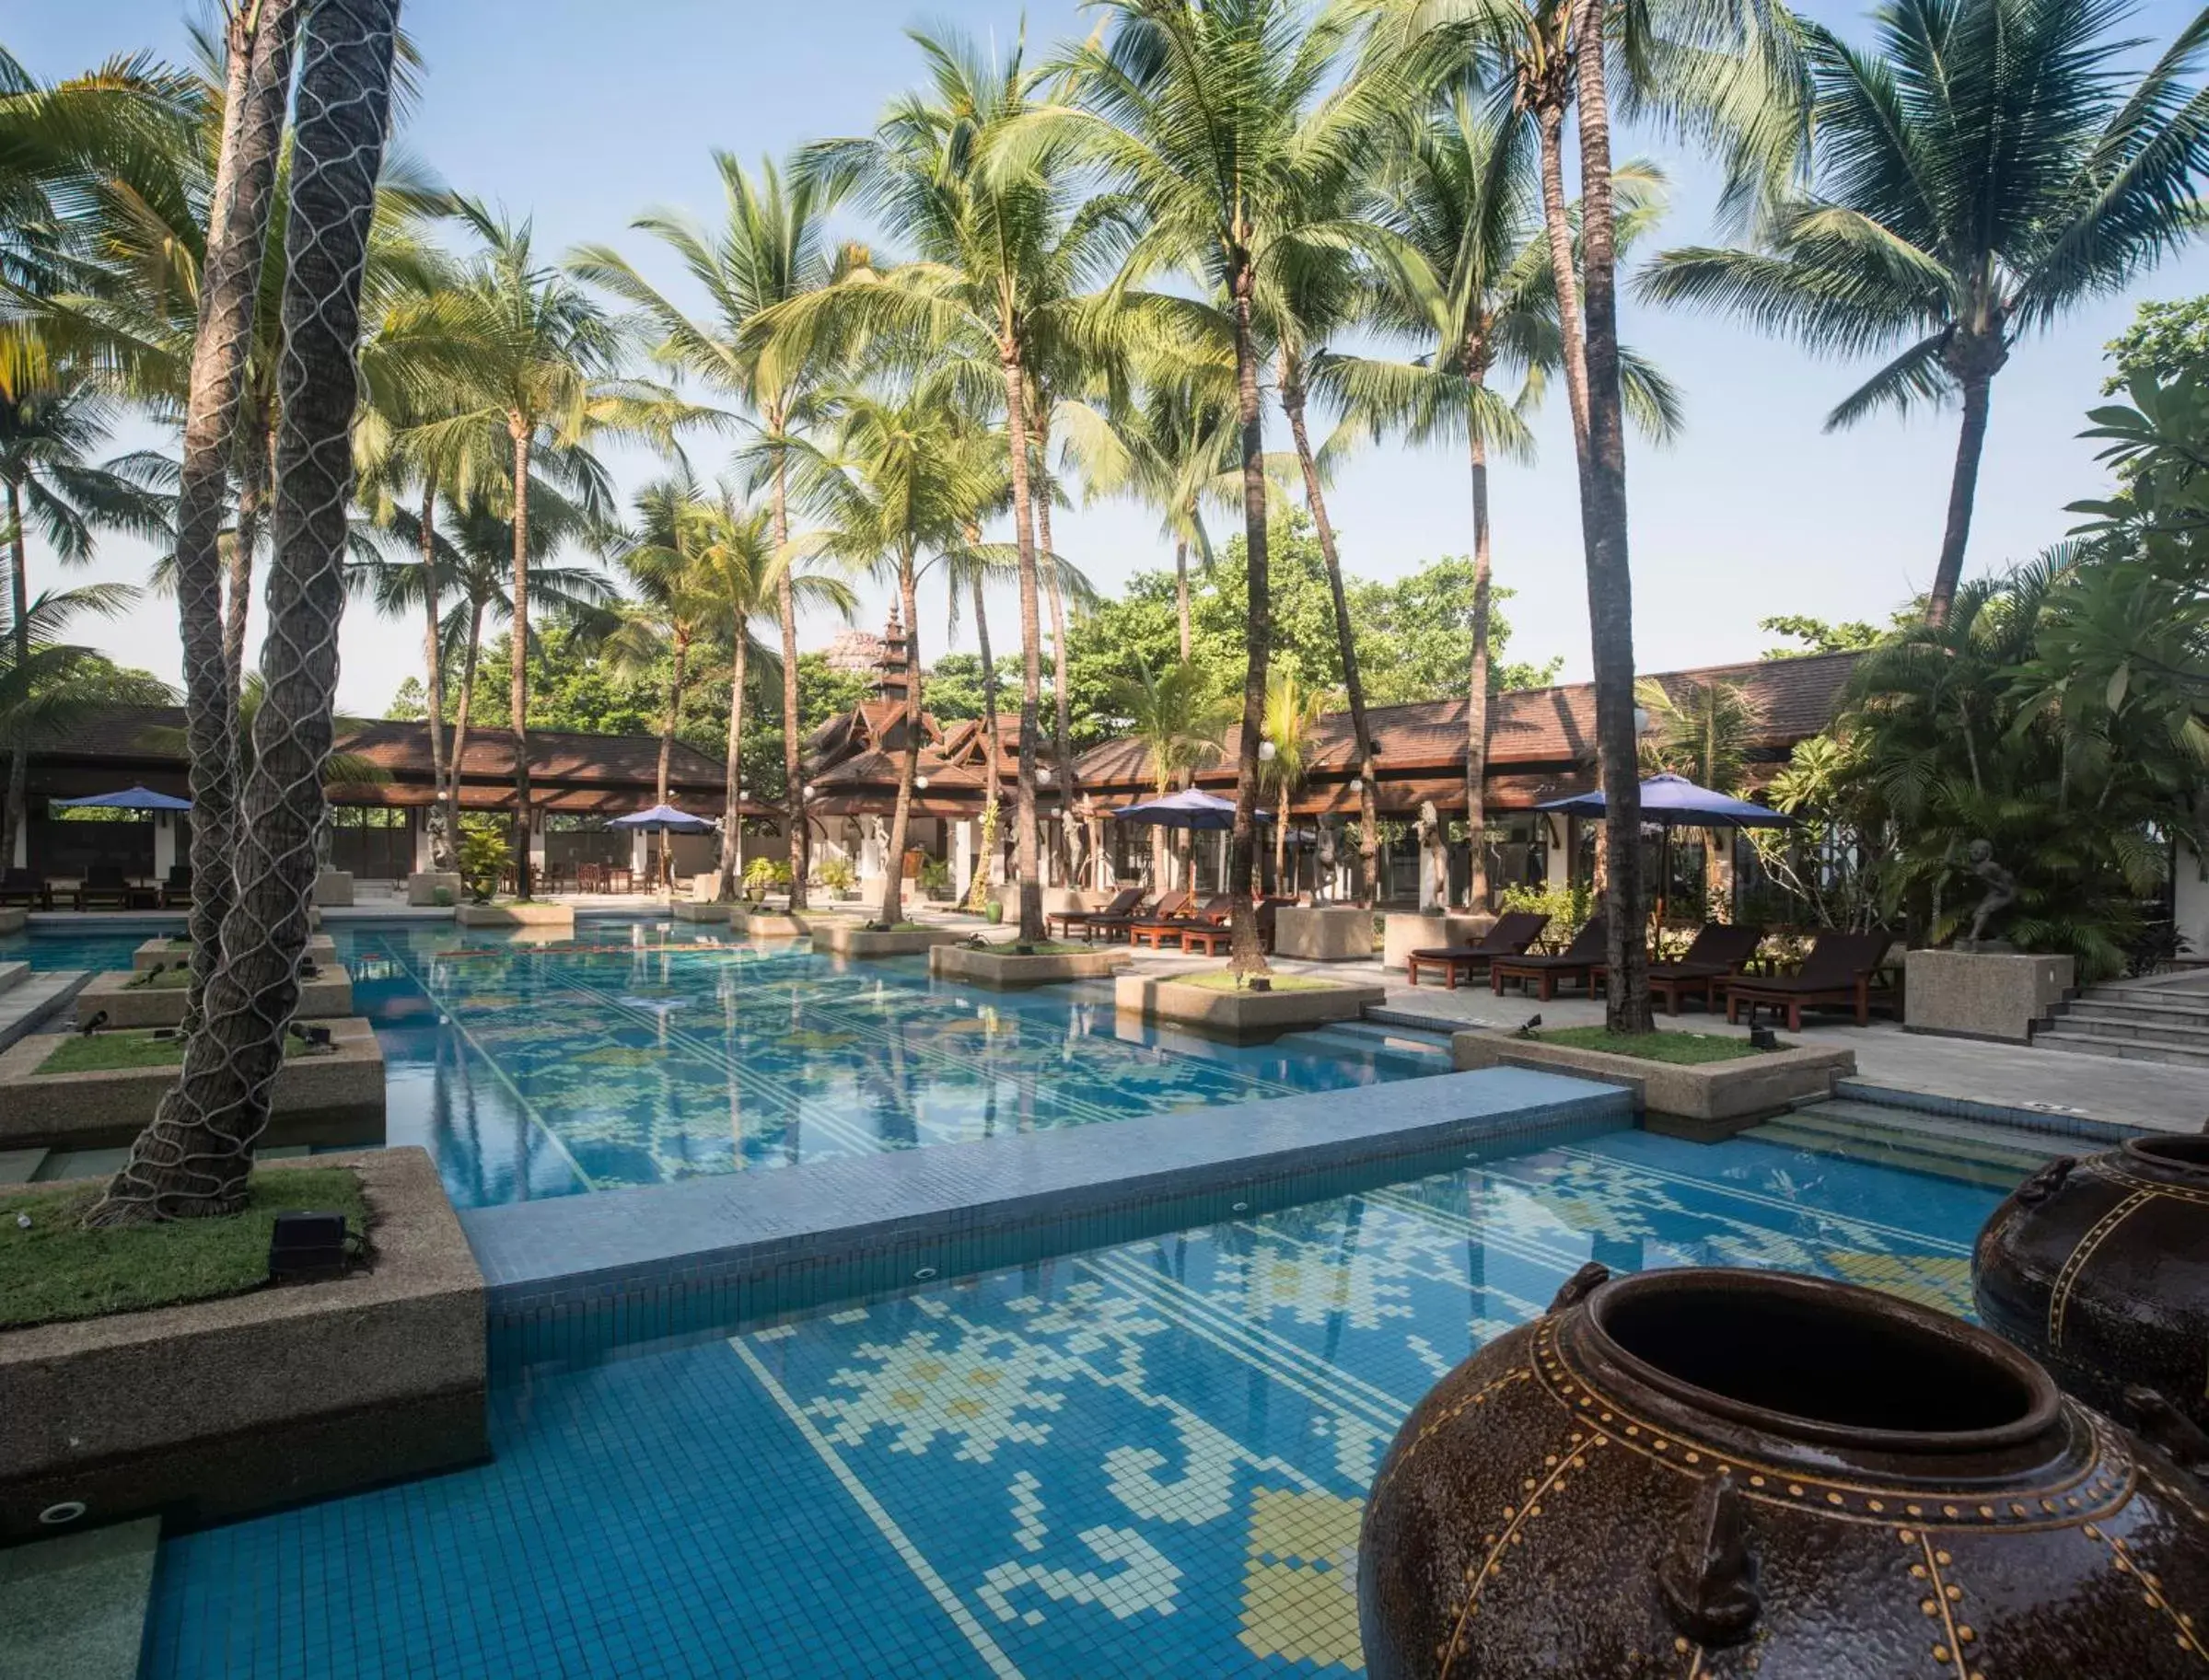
x=1142, y=1460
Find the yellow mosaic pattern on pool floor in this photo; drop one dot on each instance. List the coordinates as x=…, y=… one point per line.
x=1299, y=1599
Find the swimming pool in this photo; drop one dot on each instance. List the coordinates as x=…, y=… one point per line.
x=1145, y=1460
x=645, y=1052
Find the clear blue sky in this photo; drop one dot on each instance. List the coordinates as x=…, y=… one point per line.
x=583, y=113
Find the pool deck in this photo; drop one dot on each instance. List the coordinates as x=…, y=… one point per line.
x=576, y=1273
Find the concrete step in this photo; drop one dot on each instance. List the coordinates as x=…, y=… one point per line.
x=74, y=1605
x=2121, y=1015
x=2148, y=1029
x=1967, y=1139
x=2162, y=1001
x=2082, y=1040
x=13, y=975
x=1934, y=1163
x=20, y=1166
x=80, y=1164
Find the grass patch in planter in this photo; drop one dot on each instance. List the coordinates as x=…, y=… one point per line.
x=55, y=1270
x=1219, y=980
x=1681, y=1049
x=125, y=1048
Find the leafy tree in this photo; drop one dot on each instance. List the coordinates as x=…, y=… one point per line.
x=1818, y=636
x=1985, y=170
x=1292, y=725
x=2165, y=341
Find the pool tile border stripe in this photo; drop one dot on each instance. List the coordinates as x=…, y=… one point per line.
x=577, y=1274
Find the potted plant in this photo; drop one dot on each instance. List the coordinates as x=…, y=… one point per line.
x=837, y=876
x=761, y=874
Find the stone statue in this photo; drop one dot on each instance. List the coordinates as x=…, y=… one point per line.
x=2001, y=893
x=1323, y=890
x=1434, y=857
x=877, y=832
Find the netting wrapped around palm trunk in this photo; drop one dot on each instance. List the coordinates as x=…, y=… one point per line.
x=195, y=1158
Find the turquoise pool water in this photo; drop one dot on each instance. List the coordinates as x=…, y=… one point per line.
x=1142, y=1461
x=641, y=1053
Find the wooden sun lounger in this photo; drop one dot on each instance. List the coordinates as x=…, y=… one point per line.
x=20, y=887
x=1216, y=937
x=1155, y=930
x=1839, y=971
x=1513, y=932
x=1125, y=902
x=1720, y=951
x=1165, y=909
x=1578, y=961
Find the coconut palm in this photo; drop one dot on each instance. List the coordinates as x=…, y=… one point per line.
x=905, y=482
x=773, y=247
x=1292, y=713
x=50, y=421
x=1984, y=170
x=669, y=614
x=1179, y=721
x=1224, y=123
x=1462, y=269
x=193, y=1160
x=1006, y=255
x=742, y=575
x=1177, y=455
x=1703, y=730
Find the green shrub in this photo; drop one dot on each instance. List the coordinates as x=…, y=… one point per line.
x=1569, y=908
x=836, y=874
x=763, y=874
x=484, y=855
x=936, y=878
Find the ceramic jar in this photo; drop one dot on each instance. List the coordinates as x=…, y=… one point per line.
x=2099, y=1269
x=1698, y=1474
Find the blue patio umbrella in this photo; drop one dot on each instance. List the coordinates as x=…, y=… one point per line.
x=132, y=798
x=1673, y=802
x=663, y=820
x=1190, y=809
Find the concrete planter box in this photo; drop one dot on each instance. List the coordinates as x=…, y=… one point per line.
x=335, y=887
x=126, y=1005
x=509, y=915
x=423, y=886
x=717, y=915
x=1005, y=970
x=14, y=919
x=222, y=1408
x=1706, y=1102
x=322, y=951
x=1066, y=900
x=849, y=939
x=758, y=922
x=1403, y=933
x=1325, y=933
x=1982, y=994
x=337, y=1098
x=1241, y=1014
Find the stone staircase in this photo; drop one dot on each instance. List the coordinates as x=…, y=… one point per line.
x=1971, y=1151
x=2134, y=1021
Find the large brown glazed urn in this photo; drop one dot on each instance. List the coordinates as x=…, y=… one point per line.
x=2099, y=1269
x=1697, y=1474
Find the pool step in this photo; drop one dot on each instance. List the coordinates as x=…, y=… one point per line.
x=75, y=1605
x=1375, y=1035
x=13, y=975
x=20, y=1166
x=1969, y=1151
x=79, y=1164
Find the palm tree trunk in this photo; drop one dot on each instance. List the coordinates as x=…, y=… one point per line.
x=1557, y=221
x=444, y=834
x=1180, y=591
x=732, y=819
x=1031, y=636
x=992, y=781
x=1368, y=810
x=901, y=817
x=193, y=1159
x=245, y=178
x=1246, y=957
x=799, y=839
x=14, y=815
x=1963, y=489
x=462, y=709
x=676, y=684
x=1610, y=575
x=1062, y=751
x=1476, y=690
x=517, y=687
x=253, y=492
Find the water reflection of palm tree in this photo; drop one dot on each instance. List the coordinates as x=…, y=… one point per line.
x=1346, y=1261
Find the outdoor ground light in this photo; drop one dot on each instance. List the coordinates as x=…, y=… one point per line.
x=306, y=1245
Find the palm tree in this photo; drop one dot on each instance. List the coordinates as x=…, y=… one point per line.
x=907, y=479
x=1224, y=123
x=545, y=356
x=1179, y=722
x=49, y=420
x=193, y=1160
x=1007, y=254
x=1461, y=267
x=1292, y=725
x=1176, y=454
x=1981, y=173
x=1704, y=732
x=671, y=614
x=741, y=575
x=774, y=248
